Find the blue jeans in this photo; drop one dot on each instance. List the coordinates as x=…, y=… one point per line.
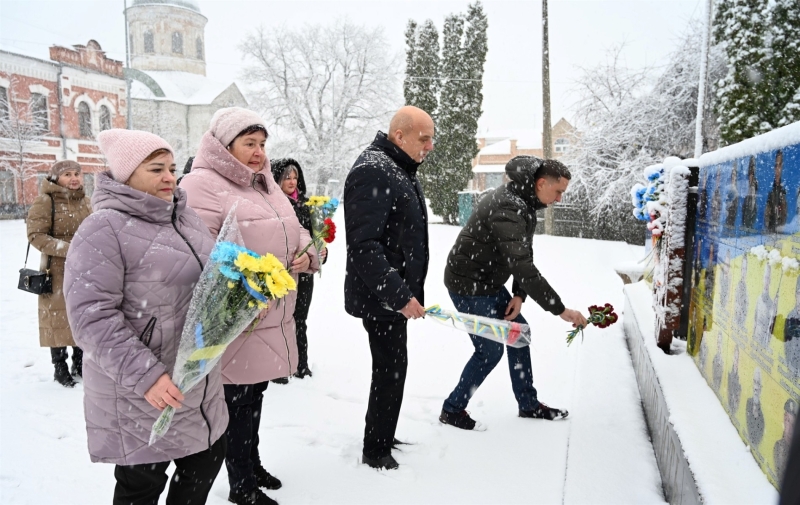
x=488, y=354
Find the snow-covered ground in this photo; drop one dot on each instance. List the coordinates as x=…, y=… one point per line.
x=312, y=428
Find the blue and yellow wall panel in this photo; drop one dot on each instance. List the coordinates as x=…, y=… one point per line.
x=744, y=330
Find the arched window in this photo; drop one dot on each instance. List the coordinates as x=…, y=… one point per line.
x=149, y=47
x=38, y=111
x=84, y=119
x=105, y=118
x=3, y=104
x=8, y=190
x=199, y=47
x=177, y=43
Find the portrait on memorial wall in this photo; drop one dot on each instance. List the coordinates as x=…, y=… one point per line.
x=776, y=210
x=732, y=200
x=780, y=451
x=750, y=203
x=734, y=386
x=754, y=415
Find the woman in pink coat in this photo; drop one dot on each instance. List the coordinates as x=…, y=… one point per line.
x=232, y=168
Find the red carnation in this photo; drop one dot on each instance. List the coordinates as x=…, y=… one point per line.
x=330, y=230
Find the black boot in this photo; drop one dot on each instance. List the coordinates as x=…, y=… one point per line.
x=255, y=497
x=59, y=360
x=266, y=479
x=77, y=362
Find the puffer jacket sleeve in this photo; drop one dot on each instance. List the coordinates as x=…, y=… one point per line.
x=367, y=204
x=38, y=222
x=305, y=238
x=508, y=226
x=93, y=289
x=204, y=199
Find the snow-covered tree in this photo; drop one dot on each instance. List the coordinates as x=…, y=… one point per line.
x=327, y=87
x=448, y=168
x=629, y=119
x=23, y=126
x=782, y=66
x=422, y=85
x=740, y=27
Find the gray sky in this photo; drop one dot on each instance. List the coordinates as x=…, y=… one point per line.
x=581, y=32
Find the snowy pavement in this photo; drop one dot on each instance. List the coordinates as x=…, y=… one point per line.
x=312, y=428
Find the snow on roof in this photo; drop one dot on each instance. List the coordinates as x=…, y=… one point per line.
x=502, y=147
x=526, y=138
x=781, y=137
x=141, y=91
x=184, y=87
x=187, y=4
x=488, y=169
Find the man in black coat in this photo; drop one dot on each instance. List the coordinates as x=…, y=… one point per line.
x=386, y=228
x=496, y=243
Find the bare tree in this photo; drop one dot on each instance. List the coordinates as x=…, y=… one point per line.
x=630, y=119
x=23, y=126
x=329, y=87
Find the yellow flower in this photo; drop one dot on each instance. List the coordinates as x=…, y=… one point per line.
x=253, y=284
x=318, y=201
x=231, y=285
x=250, y=304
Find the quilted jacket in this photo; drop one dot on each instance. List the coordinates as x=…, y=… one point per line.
x=72, y=207
x=130, y=271
x=268, y=224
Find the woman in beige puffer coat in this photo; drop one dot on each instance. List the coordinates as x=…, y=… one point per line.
x=62, y=204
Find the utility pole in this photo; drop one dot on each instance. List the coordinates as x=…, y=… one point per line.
x=547, y=138
x=701, y=87
x=127, y=65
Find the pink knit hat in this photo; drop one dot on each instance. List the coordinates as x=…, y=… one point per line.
x=127, y=149
x=228, y=123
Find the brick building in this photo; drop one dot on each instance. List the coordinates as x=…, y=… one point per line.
x=52, y=111
x=498, y=147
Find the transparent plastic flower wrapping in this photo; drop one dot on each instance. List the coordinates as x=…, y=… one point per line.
x=499, y=330
x=217, y=315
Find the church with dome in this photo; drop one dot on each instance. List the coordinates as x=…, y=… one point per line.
x=170, y=93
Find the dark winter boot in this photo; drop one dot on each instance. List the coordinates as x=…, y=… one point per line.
x=280, y=380
x=302, y=372
x=385, y=463
x=544, y=412
x=460, y=420
x=255, y=497
x=77, y=362
x=265, y=479
x=59, y=360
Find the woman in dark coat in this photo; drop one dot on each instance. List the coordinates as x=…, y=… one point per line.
x=289, y=176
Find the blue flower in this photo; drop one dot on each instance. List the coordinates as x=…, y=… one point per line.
x=229, y=272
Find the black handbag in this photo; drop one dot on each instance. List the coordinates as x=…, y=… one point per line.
x=36, y=281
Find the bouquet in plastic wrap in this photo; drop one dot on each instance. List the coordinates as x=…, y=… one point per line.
x=235, y=285
x=602, y=317
x=498, y=330
x=323, y=231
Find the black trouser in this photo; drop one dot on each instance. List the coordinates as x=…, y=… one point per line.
x=305, y=288
x=59, y=355
x=387, y=342
x=244, y=410
x=191, y=482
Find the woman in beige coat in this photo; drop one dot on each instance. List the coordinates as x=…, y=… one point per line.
x=63, y=206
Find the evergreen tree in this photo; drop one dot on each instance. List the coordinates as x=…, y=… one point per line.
x=410, y=85
x=449, y=88
x=742, y=103
x=463, y=57
x=422, y=85
x=782, y=69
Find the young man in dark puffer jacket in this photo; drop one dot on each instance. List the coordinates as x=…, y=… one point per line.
x=495, y=244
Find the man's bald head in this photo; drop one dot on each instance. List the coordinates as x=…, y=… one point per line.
x=411, y=129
